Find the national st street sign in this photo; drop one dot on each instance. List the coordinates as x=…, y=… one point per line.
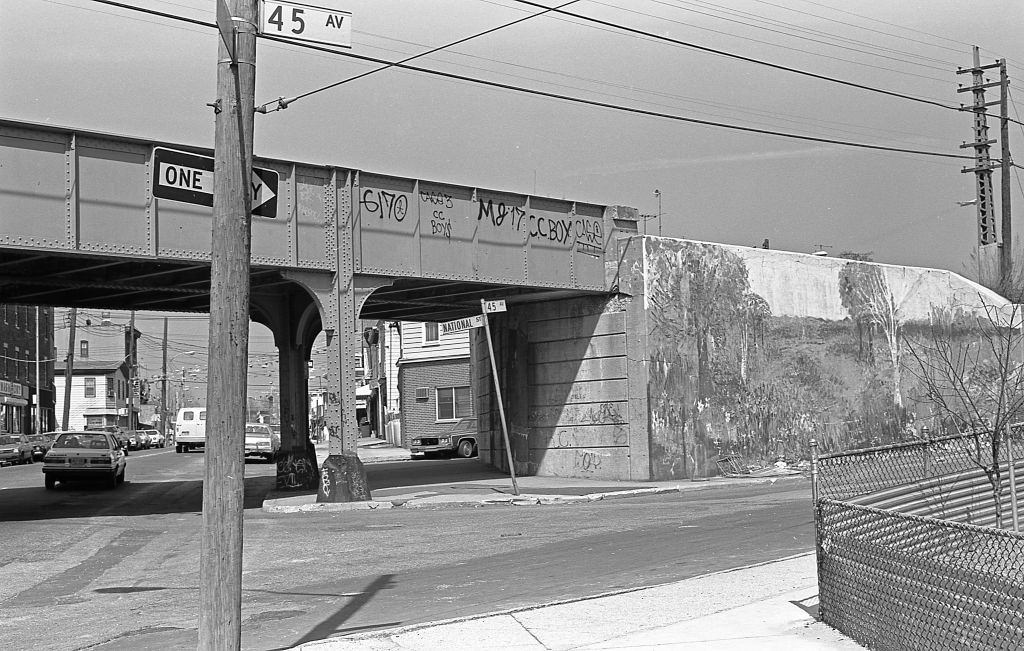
x=185, y=177
x=458, y=325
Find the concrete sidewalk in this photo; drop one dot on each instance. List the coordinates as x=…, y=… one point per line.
x=492, y=491
x=766, y=607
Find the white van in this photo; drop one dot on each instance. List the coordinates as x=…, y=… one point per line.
x=190, y=429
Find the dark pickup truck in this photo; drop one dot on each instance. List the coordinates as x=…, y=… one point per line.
x=460, y=440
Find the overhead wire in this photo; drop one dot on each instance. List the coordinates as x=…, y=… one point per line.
x=546, y=9
x=283, y=103
x=797, y=119
x=856, y=26
x=740, y=57
x=882, y=22
x=1016, y=167
x=628, y=109
x=634, y=110
x=680, y=5
x=746, y=38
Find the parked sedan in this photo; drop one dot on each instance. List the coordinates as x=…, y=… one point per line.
x=133, y=440
x=260, y=441
x=41, y=443
x=89, y=456
x=15, y=448
x=156, y=439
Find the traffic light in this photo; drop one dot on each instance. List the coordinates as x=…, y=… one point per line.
x=370, y=336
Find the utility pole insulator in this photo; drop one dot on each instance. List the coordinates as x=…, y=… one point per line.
x=967, y=89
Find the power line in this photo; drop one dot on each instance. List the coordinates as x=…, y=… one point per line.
x=283, y=103
x=740, y=57
x=855, y=26
x=627, y=109
x=802, y=119
x=882, y=22
x=746, y=38
x=771, y=21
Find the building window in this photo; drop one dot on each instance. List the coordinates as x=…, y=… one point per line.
x=90, y=387
x=6, y=367
x=453, y=403
x=83, y=348
x=429, y=333
x=17, y=362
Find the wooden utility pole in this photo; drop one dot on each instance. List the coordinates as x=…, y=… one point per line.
x=1006, y=259
x=163, y=388
x=39, y=381
x=220, y=563
x=131, y=371
x=69, y=371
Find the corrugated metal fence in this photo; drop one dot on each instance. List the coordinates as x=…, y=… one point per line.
x=902, y=560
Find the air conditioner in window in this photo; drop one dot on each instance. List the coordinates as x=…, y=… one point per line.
x=422, y=393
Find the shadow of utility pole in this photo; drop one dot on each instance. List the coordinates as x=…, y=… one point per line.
x=332, y=624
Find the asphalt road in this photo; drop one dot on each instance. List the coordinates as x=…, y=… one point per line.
x=94, y=568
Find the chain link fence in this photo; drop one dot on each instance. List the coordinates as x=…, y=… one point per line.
x=845, y=475
x=893, y=580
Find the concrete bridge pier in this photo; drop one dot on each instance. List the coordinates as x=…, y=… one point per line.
x=294, y=319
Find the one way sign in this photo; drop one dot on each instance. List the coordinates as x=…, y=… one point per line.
x=185, y=177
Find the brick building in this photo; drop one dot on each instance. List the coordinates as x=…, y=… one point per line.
x=20, y=356
x=434, y=379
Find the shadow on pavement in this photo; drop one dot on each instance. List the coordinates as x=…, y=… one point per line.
x=331, y=625
x=418, y=473
x=134, y=497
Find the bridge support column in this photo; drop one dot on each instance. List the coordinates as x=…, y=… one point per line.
x=342, y=477
x=296, y=460
x=293, y=318
x=332, y=310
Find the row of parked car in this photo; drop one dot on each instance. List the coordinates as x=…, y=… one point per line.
x=21, y=448
x=28, y=448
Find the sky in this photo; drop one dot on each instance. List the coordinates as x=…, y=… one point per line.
x=90, y=66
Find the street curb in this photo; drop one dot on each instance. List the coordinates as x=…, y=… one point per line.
x=511, y=500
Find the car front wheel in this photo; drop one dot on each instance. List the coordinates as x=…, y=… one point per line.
x=465, y=449
x=50, y=481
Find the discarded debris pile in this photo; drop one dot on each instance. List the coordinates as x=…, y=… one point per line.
x=732, y=465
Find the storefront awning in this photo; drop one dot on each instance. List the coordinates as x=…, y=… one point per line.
x=17, y=402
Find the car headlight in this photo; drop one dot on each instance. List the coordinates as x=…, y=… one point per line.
x=444, y=440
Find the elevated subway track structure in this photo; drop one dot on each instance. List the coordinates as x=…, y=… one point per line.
x=83, y=224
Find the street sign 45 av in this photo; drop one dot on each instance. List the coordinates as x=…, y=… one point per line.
x=303, y=22
x=185, y=177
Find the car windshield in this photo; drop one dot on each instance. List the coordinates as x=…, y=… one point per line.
x=8, y=440
x=82, y=440
x=261, y=430
x=37, y=438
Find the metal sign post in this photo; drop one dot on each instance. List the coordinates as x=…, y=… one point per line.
x=497, y=389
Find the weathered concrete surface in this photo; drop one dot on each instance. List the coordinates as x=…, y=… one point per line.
x=342, y=479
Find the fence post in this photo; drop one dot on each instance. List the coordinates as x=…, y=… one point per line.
x=1013, y=478
x=927, y=436
x=814, y=472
